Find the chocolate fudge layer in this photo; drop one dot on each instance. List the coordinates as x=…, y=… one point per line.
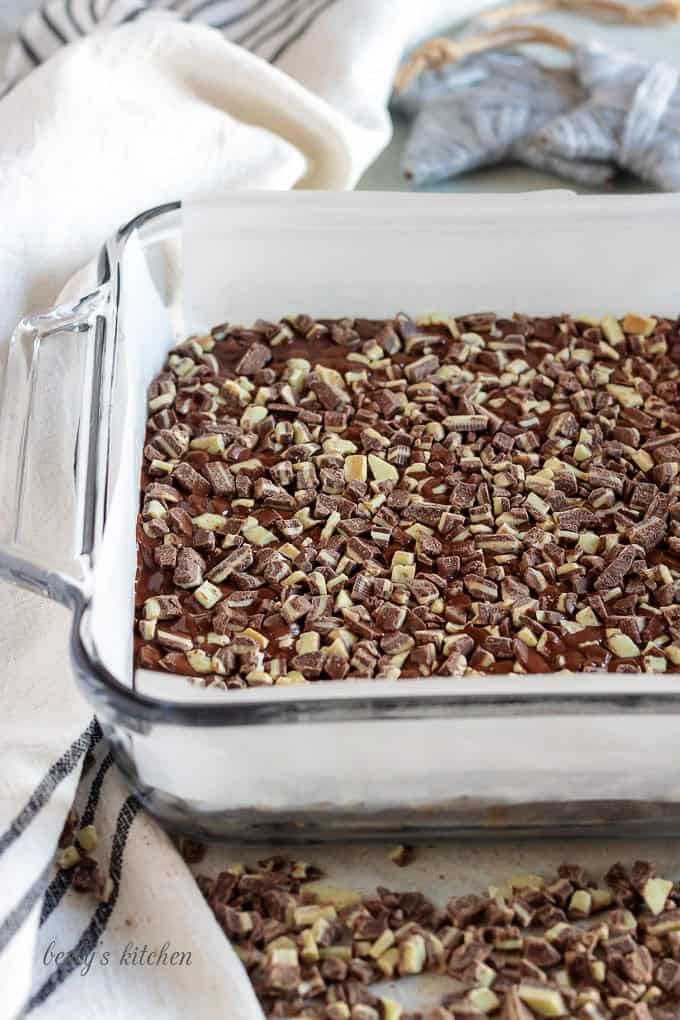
x=327, y=500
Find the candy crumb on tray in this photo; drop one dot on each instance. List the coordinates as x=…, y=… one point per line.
x=328, y=500
x=565, y=946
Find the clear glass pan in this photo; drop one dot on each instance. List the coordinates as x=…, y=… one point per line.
x=457, y=756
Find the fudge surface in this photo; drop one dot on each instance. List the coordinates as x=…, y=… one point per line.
x=406, y=498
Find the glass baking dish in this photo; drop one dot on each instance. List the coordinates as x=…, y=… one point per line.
x=560, y=754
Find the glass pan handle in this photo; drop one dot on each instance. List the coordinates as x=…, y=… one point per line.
x=52, y=409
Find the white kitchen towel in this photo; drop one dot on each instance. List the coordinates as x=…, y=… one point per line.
x=146, y=107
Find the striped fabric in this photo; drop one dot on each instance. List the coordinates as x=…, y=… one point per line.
x=265, y=27
x=41, y=888
x=79, y=954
